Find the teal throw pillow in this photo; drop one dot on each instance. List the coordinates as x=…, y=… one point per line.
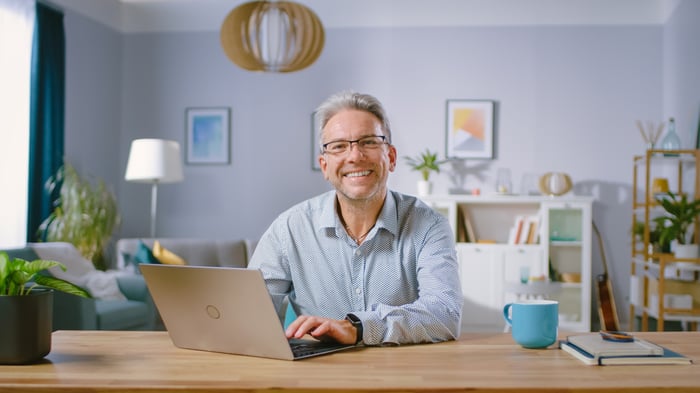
x=144, y=254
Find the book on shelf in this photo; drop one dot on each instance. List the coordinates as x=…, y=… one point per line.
x=461, y=229
x=516, y=232
x=533, y=230
x=591, y=349
x=465, y=228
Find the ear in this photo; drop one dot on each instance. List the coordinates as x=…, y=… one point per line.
x=323, y=164
x=392, y=158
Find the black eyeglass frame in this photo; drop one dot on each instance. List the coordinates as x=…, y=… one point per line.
x=356, y=141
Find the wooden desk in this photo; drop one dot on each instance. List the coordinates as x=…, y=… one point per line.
x=92, y=361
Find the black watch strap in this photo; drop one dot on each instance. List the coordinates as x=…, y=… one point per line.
x=357, y=323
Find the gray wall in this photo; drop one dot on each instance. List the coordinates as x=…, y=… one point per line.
x=568, y=98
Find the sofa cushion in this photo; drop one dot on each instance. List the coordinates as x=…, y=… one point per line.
x=166, y=256
x=121, y=315
x=144, y=254
x=68, y=255
x=79, y=271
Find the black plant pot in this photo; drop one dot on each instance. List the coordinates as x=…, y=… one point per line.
x=25, y=330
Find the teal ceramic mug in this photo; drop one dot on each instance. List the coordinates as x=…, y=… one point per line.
x=533, y=322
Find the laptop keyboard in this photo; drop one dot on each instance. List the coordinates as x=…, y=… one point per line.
x=306, y=348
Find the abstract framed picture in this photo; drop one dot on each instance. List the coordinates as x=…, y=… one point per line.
x=208, y=136
x=315, y=137
x=469, y=129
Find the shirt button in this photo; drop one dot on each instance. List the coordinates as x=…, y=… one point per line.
x=358, y=252
x=358, y=291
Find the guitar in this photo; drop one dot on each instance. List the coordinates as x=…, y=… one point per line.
x=606, y=302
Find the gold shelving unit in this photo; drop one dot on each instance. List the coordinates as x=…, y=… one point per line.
x=649, y=266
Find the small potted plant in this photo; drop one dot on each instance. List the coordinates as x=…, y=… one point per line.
x=425, y=163
x=676, y=225
x=26, y=306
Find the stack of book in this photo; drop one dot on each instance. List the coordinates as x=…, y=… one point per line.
x=592, y=349
x=525, y=230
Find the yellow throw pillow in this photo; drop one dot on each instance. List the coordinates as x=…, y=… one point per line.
x=166, y=256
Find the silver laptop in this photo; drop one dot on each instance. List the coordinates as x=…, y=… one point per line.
x=224, y=310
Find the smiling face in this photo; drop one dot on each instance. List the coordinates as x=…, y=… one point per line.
x=357, y=175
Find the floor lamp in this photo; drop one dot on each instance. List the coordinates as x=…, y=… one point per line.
x=154, y=161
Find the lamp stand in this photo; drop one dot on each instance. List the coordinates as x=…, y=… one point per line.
x=154, y=202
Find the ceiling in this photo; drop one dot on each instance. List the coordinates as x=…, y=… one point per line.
x=132, y=16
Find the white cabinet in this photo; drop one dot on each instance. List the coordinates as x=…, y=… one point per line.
x=481, y=272
x=495, y=271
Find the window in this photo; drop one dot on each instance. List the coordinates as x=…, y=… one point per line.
x=16, y=31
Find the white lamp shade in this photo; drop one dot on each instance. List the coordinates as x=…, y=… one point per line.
x=154, y=160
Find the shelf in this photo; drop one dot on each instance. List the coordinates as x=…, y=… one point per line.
x=692, y=315
x=565, y=243
x=681, y=168
x=654, y=263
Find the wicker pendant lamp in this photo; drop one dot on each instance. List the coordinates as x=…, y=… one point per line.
x=272, y=36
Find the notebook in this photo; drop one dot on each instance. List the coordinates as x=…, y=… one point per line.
x=225, y=310
x=594, y=344
x=667, y=357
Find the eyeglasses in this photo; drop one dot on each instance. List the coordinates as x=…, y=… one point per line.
x=611, y=335
x=366, y=143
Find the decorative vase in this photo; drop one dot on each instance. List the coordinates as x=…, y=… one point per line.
x=25, y=331
x=671, y=141
x=555, y=183
x=425, y=187
x=503, y=183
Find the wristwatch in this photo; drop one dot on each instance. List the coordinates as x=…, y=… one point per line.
x=357, y=323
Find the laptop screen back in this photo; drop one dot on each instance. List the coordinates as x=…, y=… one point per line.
x=217, y=309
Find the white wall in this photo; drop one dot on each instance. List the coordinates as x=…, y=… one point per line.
x=682, y=71
x=568, y=98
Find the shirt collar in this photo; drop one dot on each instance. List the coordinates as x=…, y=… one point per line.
x=388, y=216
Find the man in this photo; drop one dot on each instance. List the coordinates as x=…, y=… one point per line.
x=361, y=264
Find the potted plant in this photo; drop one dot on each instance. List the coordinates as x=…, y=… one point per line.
x=26, y=306
x=676, y=225
x=85, y=216
x=638, y=232
x=425, y=163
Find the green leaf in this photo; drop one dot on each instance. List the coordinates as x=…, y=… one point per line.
x=681, y=215
x=425, y=163
x=61, y=285
x=86, y=215
x=16, y=277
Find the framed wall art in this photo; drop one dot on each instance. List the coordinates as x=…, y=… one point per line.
x=315, y=137
x=469, y=129
x=208, y=136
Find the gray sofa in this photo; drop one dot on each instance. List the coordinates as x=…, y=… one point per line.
x=129, y=307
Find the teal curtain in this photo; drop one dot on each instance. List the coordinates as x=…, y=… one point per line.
x=46, y=134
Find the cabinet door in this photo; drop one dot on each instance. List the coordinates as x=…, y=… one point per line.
x=481, y=275
x=529, y=258
x=568, y=228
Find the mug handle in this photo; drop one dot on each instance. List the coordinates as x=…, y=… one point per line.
x=506, y=312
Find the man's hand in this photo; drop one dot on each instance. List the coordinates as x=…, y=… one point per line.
x=322, y=329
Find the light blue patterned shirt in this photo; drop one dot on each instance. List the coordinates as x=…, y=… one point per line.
x=402, y=281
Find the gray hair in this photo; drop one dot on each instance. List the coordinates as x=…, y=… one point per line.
x=351, y=100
